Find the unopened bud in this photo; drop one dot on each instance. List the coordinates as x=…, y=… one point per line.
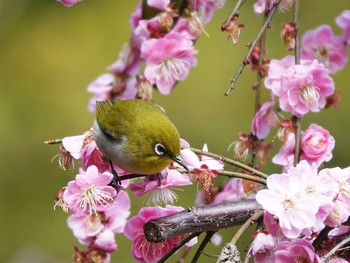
x=287, y=126
x=144, y=88
x=288, y=34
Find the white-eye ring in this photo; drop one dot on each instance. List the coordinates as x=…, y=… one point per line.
x=159, y=149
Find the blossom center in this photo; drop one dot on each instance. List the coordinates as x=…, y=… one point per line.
x=171, y=67
x=288, y=203
x=92, y=197
x=345, y=188
x=321, y=53
x=309, y=94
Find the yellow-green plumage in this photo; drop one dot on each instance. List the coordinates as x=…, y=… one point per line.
x=128, y=131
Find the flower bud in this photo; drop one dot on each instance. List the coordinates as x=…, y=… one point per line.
x=288, y=34
x=144, y=88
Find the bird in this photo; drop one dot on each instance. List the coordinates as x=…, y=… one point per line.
x=137, y=136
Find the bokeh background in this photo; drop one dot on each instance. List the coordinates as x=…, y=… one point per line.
x=48, y=56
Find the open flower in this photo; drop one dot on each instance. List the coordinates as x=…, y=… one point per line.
x=168, y=60
x=301, y=88
x=296, y=197
x=90, y=191
x=142, y=250
x=264, y=119
x=328, y=49
x=160, y=186
x=343, y=21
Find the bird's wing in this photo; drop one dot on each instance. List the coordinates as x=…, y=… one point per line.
x=108, y=117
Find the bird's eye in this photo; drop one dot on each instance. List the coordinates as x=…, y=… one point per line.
x=159, y=149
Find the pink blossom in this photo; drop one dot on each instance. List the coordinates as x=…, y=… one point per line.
x=298, y=250
x=168, y=60
x=343, y=21
x=285, y=155
x=260, y=5
x=288, y=198
x=101, y=89
x=193, y=161
x=300, y=88
x=159, y=4
x=264, y=119
x=232, y=191
x=262, y=248
x=328, y=49
x=68, y=3
x=317, y=145
x=206, y=8
x=341, y=207
x=128, y=62
x=305, y=87
x=142, y=250
x=86, y=227
x=74, y=144
x=90, y=191
x=136, y=16
x=105, y=241
x=276, y=70
x=161, y=191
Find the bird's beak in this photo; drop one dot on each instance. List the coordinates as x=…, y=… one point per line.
x=181, y=162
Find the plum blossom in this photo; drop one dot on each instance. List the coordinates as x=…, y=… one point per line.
x=300, y=88
x=128, y=62
x=142, y=250
x=341, y=207
x=298, y=250
x=101, y=89
x=90, y=191
x=68, y=3
x=295, y=198
x=109, y=86
x=206, y=8
x=316, y=147
x=285, y=155
x=232, y=191
x=160, y=187
x=264, y=119
x=316, y=144
x=343, y=21
x=262, y=247
x=260, y=6
x=322, y=45
x=168, y=60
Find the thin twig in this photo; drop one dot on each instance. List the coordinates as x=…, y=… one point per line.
x=258, y=213
x=235, y=12
x=231, y=174
x=178, y=246
x=252, y=45
x=202, y=246
x=230, y=161
x=334, y=250
x=297, y=61
x=53, y=141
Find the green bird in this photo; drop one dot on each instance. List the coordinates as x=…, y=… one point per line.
x=137, y=136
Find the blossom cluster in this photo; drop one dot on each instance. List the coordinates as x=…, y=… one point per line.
x=98, y=211
x=164, y=43
x=298, y=203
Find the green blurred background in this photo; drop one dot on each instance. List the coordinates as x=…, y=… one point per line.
x=49, y=54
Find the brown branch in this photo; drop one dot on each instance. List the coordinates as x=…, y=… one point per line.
x=200, y=219
x=252, y=45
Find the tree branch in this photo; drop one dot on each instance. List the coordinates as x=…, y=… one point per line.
x=200, y=219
